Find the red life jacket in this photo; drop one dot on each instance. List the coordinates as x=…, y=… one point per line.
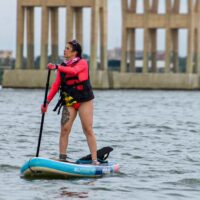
x=81, y=91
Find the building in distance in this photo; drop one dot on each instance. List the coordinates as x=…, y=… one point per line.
x=6, y=59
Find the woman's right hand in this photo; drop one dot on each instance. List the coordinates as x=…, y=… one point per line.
x=52, y=66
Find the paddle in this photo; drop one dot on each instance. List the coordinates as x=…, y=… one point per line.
x=43, y=114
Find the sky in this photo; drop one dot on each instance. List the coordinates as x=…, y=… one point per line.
x=8, y=27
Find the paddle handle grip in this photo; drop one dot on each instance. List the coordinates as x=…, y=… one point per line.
x=47, y=87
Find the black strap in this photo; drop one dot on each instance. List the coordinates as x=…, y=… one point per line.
x=76, y=84
x=58, y=104
x=71, y=78
x=61, y=105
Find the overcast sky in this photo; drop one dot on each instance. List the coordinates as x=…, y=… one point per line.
x=8, y=27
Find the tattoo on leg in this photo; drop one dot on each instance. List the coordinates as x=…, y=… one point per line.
x=65, y=116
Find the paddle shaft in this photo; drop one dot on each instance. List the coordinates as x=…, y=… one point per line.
x=43, y=114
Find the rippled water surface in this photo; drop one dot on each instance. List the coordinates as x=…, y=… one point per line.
x=155, y=136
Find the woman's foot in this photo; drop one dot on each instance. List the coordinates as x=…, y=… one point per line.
x=95, y=162
x=63, y=157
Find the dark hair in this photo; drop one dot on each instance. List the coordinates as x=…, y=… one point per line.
x=76, y=47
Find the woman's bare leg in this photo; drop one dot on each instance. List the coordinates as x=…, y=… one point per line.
x=86, y=116
x=67, y=119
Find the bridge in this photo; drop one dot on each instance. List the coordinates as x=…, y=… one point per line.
x=150, y=21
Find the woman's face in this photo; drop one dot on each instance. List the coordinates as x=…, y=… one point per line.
x=68, y=52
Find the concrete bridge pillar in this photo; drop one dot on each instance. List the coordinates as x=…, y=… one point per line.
x=191, y=37
x=79, y=24
x=54, y=33
x=74, y=29
x=150, y=21
x=44, y=37
x=132, y=40
x=30, y=37
x=197, y=39
x=20, y=35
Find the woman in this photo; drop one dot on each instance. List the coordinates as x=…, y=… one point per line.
x=76, y=95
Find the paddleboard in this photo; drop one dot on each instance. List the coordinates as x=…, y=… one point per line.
x=38, y=167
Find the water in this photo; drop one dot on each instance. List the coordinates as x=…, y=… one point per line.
x=155, y=136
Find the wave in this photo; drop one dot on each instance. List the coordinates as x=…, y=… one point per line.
x=189, y=181
x=7, y=168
